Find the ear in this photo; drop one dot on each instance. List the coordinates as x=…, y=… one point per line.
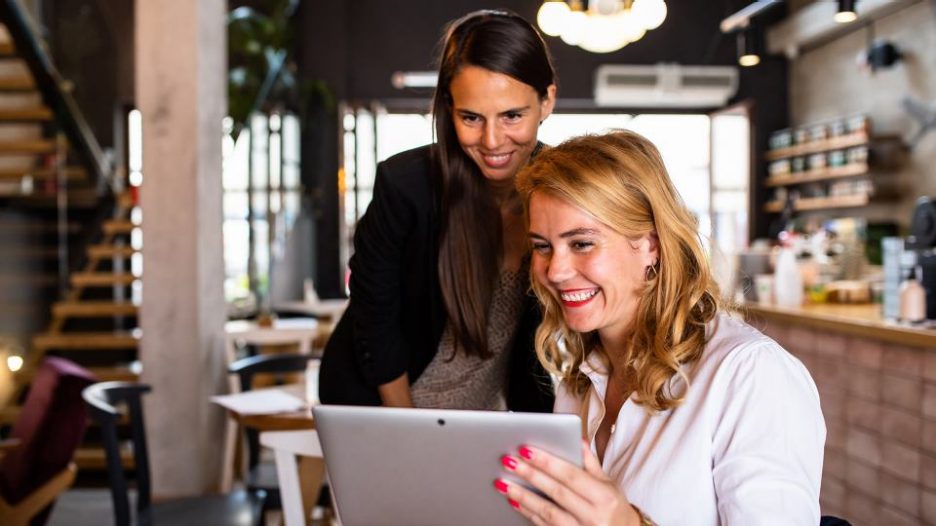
x=649, y=246
x=548, y=102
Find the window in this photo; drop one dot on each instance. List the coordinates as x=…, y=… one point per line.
x=262, y=199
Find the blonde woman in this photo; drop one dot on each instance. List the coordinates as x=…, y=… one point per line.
x=690, y=416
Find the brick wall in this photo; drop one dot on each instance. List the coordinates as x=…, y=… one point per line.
x=879, y=403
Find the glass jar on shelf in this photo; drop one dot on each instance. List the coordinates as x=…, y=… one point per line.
x=818, y=133
x=836, y=158
x=798, y=164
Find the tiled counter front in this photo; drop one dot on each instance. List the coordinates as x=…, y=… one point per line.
x=879, y=402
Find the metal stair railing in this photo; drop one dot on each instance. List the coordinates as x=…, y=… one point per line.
x=29, y=46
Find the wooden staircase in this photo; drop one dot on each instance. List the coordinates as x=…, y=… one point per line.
x=89, y=316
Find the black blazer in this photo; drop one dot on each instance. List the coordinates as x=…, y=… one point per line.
x=395, y=319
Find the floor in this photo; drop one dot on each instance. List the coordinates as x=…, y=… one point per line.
x=92, y=507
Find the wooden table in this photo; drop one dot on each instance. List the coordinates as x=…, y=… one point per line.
x=301, y=476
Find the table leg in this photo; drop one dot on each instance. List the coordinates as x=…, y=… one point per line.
x=311, y=476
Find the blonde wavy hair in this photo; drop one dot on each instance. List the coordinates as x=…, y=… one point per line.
x=620, y=179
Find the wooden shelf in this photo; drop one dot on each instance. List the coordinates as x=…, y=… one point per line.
x=835, y=143
x=823, y=174
x=819, y=203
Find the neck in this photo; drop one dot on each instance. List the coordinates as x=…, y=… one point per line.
x=616, y=347
x=502, y=190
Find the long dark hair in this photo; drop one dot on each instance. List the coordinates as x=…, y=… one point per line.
x=471, y=237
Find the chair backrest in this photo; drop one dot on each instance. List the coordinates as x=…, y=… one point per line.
x=102, y=399
x=50, y=426
x=247, y=368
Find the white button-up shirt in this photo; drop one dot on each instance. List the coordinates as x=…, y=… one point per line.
x=745, y=448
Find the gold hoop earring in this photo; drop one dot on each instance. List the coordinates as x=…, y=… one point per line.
x=651, y=269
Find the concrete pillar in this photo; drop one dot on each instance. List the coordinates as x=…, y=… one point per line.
x=181, y=92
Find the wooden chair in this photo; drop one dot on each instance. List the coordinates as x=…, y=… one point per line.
x=301, y=471
x=235, y=509
x=261, y=478
x=37, y=462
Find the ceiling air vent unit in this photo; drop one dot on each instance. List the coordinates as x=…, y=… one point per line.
x=665, y=86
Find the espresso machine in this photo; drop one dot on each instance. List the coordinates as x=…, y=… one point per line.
x=922, y=240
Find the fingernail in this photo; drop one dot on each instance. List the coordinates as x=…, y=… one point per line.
x=501, y=486
x=526, y=453
x=514, y=503
x=509, y=462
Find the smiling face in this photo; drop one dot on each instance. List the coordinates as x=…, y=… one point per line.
x=595, y=274
x=496, y=118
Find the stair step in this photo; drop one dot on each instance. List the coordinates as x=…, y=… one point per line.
x=27, y=146
x=115, y=373
x=92, y=457
x=119, y=226
x=102, y=279
x=94, y=309
x=40, y=113
x=110, y=251
x=37, y=227
x=76, y=341
x=81, y=197
x=24, y=83
x=72, y=173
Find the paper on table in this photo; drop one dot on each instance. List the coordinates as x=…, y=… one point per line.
x=260, y=402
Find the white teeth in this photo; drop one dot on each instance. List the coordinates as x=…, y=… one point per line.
x=578, y=296
x=497, y=158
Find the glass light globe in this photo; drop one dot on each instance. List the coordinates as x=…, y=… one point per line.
x=604, y=7
x=629, y=26
x=574, y=29
x=650, y=13
x=551, y=17
x=602, y=34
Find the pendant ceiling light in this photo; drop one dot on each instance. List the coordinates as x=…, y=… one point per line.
x=846, y=12
x=600, y=26
x=749, y=46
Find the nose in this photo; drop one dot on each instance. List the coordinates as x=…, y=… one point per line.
x=491, y=136
x=558, y=267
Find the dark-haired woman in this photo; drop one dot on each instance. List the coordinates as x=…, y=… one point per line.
x=439, y=313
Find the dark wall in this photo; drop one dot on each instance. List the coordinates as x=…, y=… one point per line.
x=356, y=45
x=92, y=47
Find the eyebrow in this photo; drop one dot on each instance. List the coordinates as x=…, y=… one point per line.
x=571, y=233
x=521, y=109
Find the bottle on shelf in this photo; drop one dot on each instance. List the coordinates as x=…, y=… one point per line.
x=788, y=282
x=912, y=299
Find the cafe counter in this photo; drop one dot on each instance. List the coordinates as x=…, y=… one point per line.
x=877, y=387
x=863, y=320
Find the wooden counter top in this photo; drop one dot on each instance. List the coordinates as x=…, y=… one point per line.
x=855, y=320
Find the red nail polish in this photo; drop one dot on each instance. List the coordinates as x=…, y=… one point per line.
x=501, y=486
x=514, y=503
x=509, y=462
x=526, y=453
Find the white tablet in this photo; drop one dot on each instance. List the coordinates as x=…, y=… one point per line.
x=431, y=467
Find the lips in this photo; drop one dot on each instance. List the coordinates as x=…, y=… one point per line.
x=577, y=297
x=496, y=161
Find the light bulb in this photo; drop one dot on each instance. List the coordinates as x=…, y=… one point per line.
x=574, y=29
x=551, y=17
x=602, y=34
x=14, y=362
x=650, y=13
x=844, y=17
x=748, y=60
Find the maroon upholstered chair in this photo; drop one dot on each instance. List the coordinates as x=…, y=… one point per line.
x=49, y=428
